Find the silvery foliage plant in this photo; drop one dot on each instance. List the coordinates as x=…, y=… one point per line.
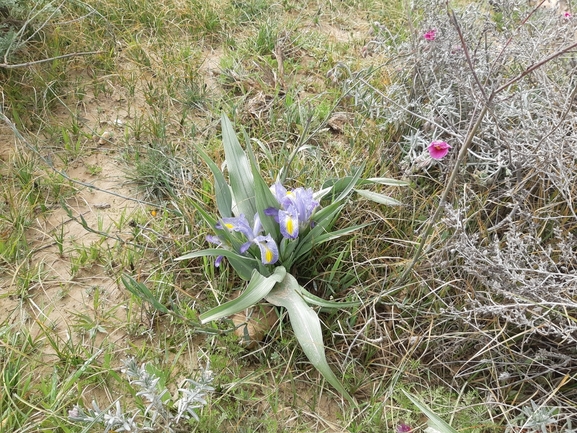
x=161, y=410
x=525, y=150
x=510, y=227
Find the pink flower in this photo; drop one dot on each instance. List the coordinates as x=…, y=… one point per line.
x=430, y=35
x=404, y=428
x=567, y=15
x=438, y=149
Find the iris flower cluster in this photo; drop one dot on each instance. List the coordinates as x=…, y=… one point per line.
x=293, y=215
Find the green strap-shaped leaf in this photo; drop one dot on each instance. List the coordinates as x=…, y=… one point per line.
x=338, y=233
x=243, y=265
x=307, y=328
x=378, y=198
x=324, y=220
x=258, y=287
x=323, y=303
x=208, y=218
x=264, y=198
x=385, y=181
x=222, y=190
x=435, y=420
x=239, y=171
x=344, y=186
x=362, y=182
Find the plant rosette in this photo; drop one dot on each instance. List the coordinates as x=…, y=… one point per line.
x=264, y=232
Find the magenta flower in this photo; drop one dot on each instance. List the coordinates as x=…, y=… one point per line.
x=430, y=35
x=404, y=428
x=438, y=149
x=567, y=15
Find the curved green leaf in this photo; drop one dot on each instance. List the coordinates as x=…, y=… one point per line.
x=323, y=303
x=258, y=287
x=222, y=190
x=264, y=198
x=243, y=265
x=307, y=328
x=348, y=185
x=338, y=233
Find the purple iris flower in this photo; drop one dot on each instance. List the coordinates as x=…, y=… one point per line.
x=297, y=207
x=289, y=222
x=267, y=245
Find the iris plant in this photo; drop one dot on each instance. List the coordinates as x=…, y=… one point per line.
x=264, y=231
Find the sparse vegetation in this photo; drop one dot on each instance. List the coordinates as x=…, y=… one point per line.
x=466, y=292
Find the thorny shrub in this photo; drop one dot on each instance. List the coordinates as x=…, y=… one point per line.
x=509, y=226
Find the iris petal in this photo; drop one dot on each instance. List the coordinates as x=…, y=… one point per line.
x=268, y=249
x=289, y=223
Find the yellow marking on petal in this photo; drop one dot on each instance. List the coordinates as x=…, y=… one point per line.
x=268, y=255
x=229, y=226
x=290, y=226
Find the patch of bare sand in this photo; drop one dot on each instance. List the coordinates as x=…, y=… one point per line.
x=64, y=288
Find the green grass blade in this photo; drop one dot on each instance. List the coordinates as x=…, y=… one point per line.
x=140, y=290
x=307, y=328
x=258, y=287
x=434, y=420
x=239, y=171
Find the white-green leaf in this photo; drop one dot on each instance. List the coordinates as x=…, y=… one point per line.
x=388, y=181
x=243, y=265
x=264, y=198
x=323, y=303
x=239, y=171
x=307, y=328
x=258, y=287
x=350, y=184
x=434, y=420
x=378, y=198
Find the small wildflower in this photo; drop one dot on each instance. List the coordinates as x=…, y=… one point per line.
x=438, y=149
x=430, y=35
x=567, y=15
x=404, y=428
